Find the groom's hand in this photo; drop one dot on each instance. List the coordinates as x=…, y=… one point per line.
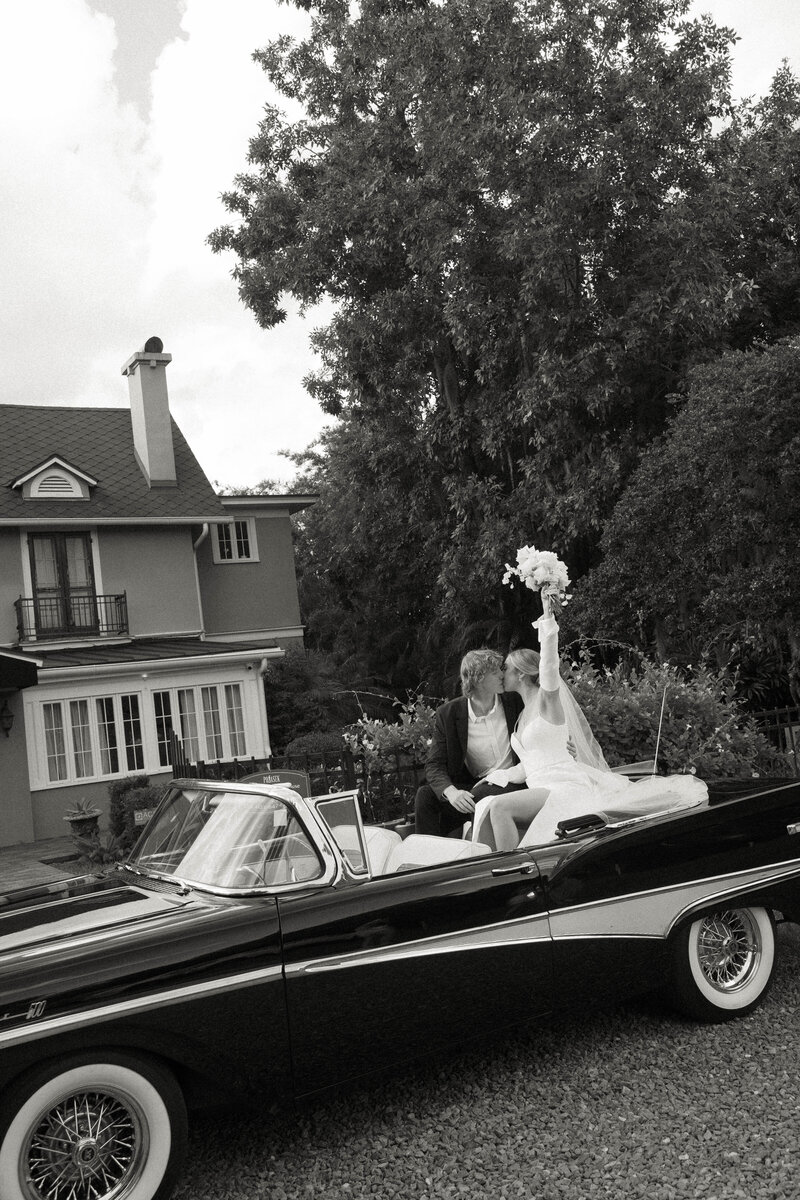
x=462, y=801
x=571, y=748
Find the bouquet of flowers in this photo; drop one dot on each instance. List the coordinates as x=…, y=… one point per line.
x=541, y=571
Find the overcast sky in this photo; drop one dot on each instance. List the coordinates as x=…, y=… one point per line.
x=121, y=121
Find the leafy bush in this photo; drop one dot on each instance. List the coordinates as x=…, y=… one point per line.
x=380, y=741
x=703, y=725
x=127, y=796
x=312, y=744
x=297, y=697
x=97, y=851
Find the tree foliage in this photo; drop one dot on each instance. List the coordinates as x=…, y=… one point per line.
x=532, y=216
x=702, y=555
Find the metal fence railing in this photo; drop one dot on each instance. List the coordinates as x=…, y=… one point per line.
x=782, y=727
x=386, y=790
x=71, y=615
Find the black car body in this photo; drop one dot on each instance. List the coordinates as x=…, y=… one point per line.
x=260, y=944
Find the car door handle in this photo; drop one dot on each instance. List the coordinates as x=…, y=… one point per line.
x=528, y=868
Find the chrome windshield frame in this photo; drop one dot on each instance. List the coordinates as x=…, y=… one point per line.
x=309, y=821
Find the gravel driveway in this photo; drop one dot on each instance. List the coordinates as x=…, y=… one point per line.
x=627, y=1103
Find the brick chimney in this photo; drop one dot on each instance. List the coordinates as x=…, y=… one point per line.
x=152, y=429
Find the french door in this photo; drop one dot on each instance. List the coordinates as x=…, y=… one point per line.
x=64, y=598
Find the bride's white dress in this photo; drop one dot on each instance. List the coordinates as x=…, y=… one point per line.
x=576, y=788
x=573, y=789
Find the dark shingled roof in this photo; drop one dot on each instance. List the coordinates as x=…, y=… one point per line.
x=99, y=442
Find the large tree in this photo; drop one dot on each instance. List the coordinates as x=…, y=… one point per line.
x=516, y=208
x=702, y=554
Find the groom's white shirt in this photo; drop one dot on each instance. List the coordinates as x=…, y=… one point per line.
x=488, y=747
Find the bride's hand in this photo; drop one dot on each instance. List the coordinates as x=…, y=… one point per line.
x=498, y=778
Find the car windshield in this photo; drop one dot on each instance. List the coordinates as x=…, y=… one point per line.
x=229, y=840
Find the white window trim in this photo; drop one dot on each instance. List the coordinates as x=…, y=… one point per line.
x=253, y=716
x=25, y=556
x=251, y=537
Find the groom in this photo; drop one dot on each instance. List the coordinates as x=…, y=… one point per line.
x=470, y=739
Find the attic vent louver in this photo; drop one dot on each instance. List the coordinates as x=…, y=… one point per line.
x=55, y=485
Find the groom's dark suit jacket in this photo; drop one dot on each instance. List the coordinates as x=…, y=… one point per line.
x=445, y=762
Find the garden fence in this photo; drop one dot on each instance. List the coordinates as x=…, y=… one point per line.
x=782, y=727
x=387, y=788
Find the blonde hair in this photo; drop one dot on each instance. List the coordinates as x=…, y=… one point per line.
x=526, y=662
x=476, y=665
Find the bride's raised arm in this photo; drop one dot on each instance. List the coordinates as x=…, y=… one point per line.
x=549, y=679
x=547, y=629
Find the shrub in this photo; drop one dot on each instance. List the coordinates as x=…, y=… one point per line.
x=294, y=696
x=127, y=797
x=703, y=725
x=380, y=741
x=313, y=744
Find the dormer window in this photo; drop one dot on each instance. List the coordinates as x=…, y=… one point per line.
x=55, y=479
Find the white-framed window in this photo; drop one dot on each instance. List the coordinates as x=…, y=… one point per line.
x=210, y=721
x=81, y=738
x=107, y=735
x=235, y=718
x=98, y=733
x=93, y=737
x=235, y=541
x=55, y=741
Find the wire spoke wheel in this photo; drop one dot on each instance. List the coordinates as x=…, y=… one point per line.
x=89, y=1145
x=109, y=1125
x=723, y=963
x=729, y=949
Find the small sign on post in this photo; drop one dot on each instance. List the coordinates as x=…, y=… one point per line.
x=299, y=780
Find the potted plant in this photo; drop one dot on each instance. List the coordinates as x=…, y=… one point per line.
x=84, y=819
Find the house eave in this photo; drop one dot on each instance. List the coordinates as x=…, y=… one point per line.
x=87, y=519
x=154, y=666
x=262, y=504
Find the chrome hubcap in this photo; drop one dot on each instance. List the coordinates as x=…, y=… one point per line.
x=89, y=1146
x=728, y=949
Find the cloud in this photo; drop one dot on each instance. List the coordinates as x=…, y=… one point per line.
x=105, y=221
x=72, y=217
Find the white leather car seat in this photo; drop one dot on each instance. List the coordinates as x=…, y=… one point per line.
x=423, y=850
x=380, y=844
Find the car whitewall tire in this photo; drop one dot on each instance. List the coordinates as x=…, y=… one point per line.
x=723, y=963
x=92, y=1127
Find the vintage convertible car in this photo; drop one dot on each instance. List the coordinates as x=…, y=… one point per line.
x=260, y=944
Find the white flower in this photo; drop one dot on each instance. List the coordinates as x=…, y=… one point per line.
x=538, y=570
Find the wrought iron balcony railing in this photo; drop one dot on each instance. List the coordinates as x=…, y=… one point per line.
x=43, y=618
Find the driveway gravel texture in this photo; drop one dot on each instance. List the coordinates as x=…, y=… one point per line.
x=628, y=1102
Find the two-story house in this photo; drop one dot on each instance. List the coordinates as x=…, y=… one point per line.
x=135, y=603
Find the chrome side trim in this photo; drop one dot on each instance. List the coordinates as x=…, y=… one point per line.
x=86, y=928
x=522, y=931
x=789, y=863
x=733, y=893
x=654, y=914
x=123, y=1008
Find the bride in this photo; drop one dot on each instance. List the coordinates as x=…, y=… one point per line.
x=558, y=786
